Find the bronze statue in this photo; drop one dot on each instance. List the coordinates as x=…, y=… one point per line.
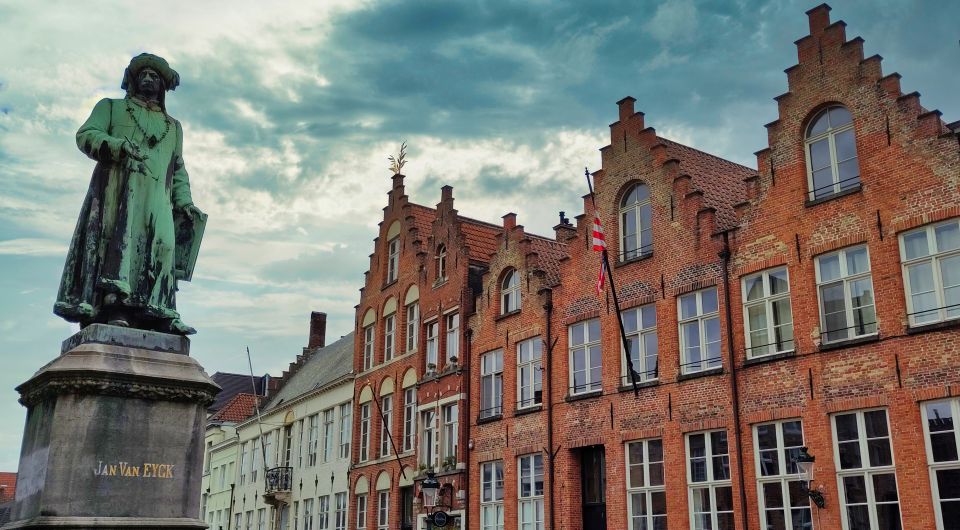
x=138, y=231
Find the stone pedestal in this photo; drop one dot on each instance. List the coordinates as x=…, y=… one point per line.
x=114, y=434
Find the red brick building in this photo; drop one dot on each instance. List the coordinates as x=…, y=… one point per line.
x=813, y=303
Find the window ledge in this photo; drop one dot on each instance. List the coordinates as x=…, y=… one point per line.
x=622, y=262
x=504, y=316
x=849, y=342
x=439, y=282
x=813, y=202
x=702, y=373
x=640, y=384
x=751, y=361
x=528, y=410
x=489, y=419
x=584, y=395
x=389, y=284
x=934, y=326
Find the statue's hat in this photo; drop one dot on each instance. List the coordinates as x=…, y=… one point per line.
x=158, y=64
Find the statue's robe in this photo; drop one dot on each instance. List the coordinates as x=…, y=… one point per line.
x=124, y=241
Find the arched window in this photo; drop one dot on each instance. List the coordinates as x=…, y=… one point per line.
x=510, y=293
x=636, y=224
x=441, y=262
x=831, y=153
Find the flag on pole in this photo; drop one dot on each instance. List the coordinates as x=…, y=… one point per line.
x=600, y=245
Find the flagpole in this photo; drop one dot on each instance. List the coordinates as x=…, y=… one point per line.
x=613, y=290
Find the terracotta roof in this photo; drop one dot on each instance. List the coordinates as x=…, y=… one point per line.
x=720, y=180
x=8, y=486
x=422, y=219
x=549, y=254
x=480, y=238
x=241, y=407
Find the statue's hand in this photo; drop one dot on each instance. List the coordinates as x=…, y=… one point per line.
x=132, y=151
x=192, y=211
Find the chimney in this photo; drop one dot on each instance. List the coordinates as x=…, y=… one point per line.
x=318, y=330
x=509, y=221
x=626, y=108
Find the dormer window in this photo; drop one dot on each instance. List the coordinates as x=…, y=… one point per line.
x=441, y=262
x=636, y=224
x=393, y=259
x=510, y=293
x=831, y=154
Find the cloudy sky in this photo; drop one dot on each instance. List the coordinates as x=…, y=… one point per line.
x=290, y=111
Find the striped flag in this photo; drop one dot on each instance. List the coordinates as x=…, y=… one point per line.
x=600, y=245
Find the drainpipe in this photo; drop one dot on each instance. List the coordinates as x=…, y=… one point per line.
x=548, y=392
x=465, y=436
x=734, y=393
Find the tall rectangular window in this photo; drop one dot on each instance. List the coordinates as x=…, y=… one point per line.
x=262, y=519
x=453, y=336
x=386, y=426
x=491, y=384
x=646, y=494
x=708, y=476
x=931, y=272
x=389, y=334
x=300, y=430
x=340, y=515
x=346, y=430
x=432, y=330
x=699, y=331
x=767, y=314
x=529, y=373
x=313, y=435
x=383, y=510
x=323, y=512
x=530, y=492
x=368, y=347
x=784, y=504
x=243, y=463
x=491, y=495
x=640, y=325
x=943, y=447
x=865, y=471
x=361, y=512
x=328, y=435
x=296, y=517
x=413, y=326
x=257, y=461
x=268, y=449
x=393, y=259
x=409, y=418
x=585, y=357
x=364, y=432
x=845, y=286
x=249, y=519
x=428, y=439
x=451, y=421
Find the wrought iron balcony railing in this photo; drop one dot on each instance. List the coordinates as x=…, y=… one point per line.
x=279, y=479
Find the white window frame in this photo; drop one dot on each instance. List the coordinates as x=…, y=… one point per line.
x=646, y=490
x=527, y=464
x=362, y=511
x=846, y=279
x=635, y=210
x=364, y=449
x=701, y=318
x=787, y=473
x=346, y=429
x=340, y=513
x=329, y=420
x=257, y=461
x=389, y=336
x=308, y=514
x=866, y=471
x=491, y=384
x=441, y=263
x=313, y=436
x=712, y=483
x=641, y=358
x=529, y=373
x=934, y=257
x=591, y=361
x=766, y=301
x=323, y=512
x=944, y=465
x=383, y=510
x=510, y=292
x=433, y=330
x=429, y=453
x=413, y=326
x=450, y=432
x=386, y=425
x=296, y=517
x=409, y=419
x=393, y=259
x=262, y=519
x=243, y=463
x=452, y=324
x=491, y=498
x=368, y=346
x=830, y=135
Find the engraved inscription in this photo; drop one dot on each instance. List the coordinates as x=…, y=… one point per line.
x=128, y=470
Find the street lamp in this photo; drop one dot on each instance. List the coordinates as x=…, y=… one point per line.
x=804, y=462
x=430, y=488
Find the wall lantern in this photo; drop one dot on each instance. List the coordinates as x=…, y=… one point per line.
x=430, y=488
x=804, y=462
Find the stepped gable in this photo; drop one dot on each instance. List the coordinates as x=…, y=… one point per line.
x=325, y=366
x=422, y=217
x=720, y=180
x=238, y=409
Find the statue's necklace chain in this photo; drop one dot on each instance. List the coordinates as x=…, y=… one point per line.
x=152, y=140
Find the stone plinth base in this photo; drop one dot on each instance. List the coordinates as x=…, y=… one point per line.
x=114, y=434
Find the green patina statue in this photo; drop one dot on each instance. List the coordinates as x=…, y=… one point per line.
x=138, y=231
